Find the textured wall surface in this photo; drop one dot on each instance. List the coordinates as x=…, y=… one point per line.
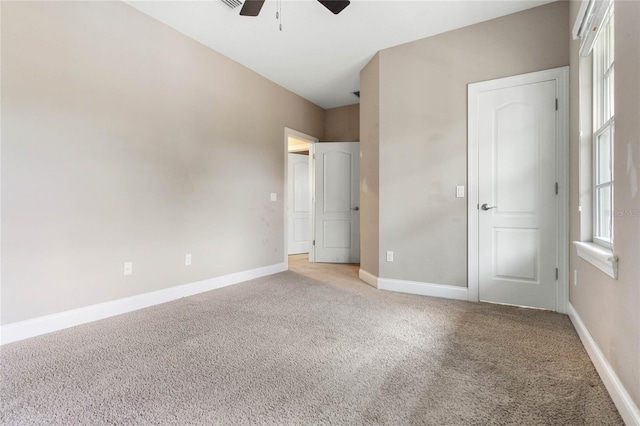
x=342, y=124
x=610, y=308
x=423, y=133
x=124, y=140
x=369, y=165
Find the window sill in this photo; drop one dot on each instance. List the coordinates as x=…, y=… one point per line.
x=600, y=257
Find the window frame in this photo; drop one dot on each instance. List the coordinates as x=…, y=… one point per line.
x=603, y=124
x=589, y=22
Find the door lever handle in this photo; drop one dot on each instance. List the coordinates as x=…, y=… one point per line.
x=485, y=206
x=356, y=208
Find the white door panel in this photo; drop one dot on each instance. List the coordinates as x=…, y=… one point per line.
x=337, y=216
x=299, y=204
x=336, y=234
x=516, y=183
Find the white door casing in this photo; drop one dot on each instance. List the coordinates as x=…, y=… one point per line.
x=337, y=202
x=516, y=155
x=299, y=204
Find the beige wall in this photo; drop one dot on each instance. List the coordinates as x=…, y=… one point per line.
x=123, y=140
x=369, y=165
x=610, y=309
x=342, y=124
x=423, y=133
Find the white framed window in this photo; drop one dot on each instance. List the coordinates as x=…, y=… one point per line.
x=594, y=27
x=603, y=131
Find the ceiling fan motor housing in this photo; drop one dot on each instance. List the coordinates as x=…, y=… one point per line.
x=252, y=7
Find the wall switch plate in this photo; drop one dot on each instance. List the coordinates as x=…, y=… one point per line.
x=460, y=191
x=389, y=256
x=274, y=196
x=187, y=259
x=128, y=268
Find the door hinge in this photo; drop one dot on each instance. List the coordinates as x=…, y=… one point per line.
x=556, y=188
x=556, y=104
x=314, y=243
x=556, y=274
x=314, y=156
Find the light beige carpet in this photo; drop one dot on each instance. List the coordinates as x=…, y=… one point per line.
x=313, y=345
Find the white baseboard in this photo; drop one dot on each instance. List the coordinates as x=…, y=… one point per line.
x=621, y=398
x=49, y=323
x=368, y=278
x=424, y=289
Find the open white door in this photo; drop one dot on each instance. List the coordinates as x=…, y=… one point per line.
x=337, y=202
x=299, y=204
x=517, y=200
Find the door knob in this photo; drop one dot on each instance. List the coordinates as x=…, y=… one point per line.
x=356, y=208
x=487, y=207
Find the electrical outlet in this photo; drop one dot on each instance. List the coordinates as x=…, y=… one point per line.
x=274, y=196
x=128, y=268
x=389, y=256
x=575, y=277
x=187, y=259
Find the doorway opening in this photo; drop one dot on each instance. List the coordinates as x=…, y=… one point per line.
x=298, y=229
x=299, y=197
x=322, y=195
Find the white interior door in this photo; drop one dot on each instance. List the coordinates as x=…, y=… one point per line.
x=299, y=204
x=337, y=202
x=517, y=201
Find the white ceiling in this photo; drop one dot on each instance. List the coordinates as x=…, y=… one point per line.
x=319, y=55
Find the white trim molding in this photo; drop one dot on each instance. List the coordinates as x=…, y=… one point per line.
x=50, y=323
x=561, y=77
x=368, y=278
x=424, y=289
x=628, y=409
x=588, y=22
x=600, y=257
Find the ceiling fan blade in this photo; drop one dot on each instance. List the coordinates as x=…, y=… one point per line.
x=335, y=6
x=251, y=7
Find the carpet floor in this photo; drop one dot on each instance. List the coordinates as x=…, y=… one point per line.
x=313, y=345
